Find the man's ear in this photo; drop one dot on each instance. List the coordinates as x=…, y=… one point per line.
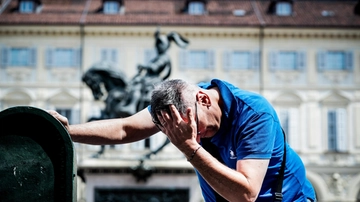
x=203, y=98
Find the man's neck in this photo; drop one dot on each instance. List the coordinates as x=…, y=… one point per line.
x=216, y=97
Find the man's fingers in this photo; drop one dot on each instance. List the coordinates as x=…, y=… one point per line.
x=190, y=115
x=52, y=112
x=55, y=114
x=175, y=114
x=160, y=116
x=59, y=117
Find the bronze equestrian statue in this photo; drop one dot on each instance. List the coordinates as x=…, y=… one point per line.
x=126, y=97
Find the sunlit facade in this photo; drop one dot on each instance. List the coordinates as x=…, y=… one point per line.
x=303, y=56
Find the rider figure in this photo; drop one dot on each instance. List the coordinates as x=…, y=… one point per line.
x=157, y=70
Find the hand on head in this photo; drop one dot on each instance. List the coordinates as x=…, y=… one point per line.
x=180, y=130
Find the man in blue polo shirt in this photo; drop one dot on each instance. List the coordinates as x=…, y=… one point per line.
x=244, y=130
x=232, y=138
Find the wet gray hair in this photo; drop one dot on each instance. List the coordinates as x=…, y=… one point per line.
x=171, y=92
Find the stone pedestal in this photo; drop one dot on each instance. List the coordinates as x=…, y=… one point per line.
x=36, y=157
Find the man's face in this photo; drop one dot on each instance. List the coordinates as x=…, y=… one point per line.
x=206, y=127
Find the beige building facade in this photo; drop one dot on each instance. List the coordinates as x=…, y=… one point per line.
x=310, y=74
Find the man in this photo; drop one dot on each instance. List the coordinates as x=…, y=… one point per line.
x=232, y=137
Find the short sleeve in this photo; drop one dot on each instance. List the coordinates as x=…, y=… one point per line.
x=257, y=137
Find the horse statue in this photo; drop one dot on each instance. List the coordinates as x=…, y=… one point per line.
x=102, y=76
x=126, y=97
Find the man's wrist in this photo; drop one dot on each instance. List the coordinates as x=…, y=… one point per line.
x=194, y=153
x=188, y=148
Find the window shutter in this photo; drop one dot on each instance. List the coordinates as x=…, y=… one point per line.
x=227, y=60
x=273, y=60
x=149, y=55
x=301, y=60
x=331, y=125
x=183, y=59
x=120, y=60
x=341, y=130
x=114, y=56
x=103, y=55
x=255, y=60
x=5, y=56
x=32, y=57
x=294, y=128
x=76, y=57
x=210, y=56
x=49, y=57
x=321, y=62
x=284, y=120
x=75, y=116
x=349, y=60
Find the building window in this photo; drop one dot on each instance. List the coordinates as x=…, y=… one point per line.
x=287, y=60
x=289, y=119
x=27, y=7
x=336, y=127
x=327, y=13
x=196, y=8
x=283, y=8
x=72, y=115
x=149, y=54
x=335, y=60
x=241, y=60
x=18, y=57
x=197, y=59
x=63, y=57
x=111, y=7
x=109, y=55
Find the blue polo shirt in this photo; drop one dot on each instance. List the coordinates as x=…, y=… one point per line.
x=250, y=129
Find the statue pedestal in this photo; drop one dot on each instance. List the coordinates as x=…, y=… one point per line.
x=36, y=157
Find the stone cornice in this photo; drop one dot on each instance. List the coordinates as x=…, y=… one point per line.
x=312, y=33
x=100, y=31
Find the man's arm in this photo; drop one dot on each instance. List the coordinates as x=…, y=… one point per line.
x=242, y=184
x=111, y=131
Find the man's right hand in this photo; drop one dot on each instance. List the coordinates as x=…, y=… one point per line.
x=61, y=118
